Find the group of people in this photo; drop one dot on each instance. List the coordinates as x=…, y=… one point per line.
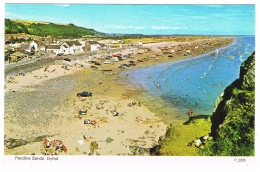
x=133, y=104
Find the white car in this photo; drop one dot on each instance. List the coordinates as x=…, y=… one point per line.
x=115, y=59
x=107, y=62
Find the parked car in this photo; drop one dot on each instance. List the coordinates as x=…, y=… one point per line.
x=125, y=57
x=126, y=65
x=122, y=67
x=97, y=63
x=107, y=62
x=83, y=112
x=84, y=94
x=59, y=54
x=115, y=59
x=67, y=59
x=132, y=64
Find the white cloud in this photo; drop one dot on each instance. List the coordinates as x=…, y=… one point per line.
x=124, y=27
x=160, y=19
x=212, y=5
x=174, y=18
x=168, y=28
x=63, y=5
x=201, y=29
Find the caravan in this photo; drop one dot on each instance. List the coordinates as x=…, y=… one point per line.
x=115, y=59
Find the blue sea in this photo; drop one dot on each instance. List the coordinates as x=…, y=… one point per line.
x=197, y=82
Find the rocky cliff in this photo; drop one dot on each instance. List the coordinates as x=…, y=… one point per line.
x=233, y=120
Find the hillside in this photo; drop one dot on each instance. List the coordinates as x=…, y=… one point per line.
x=45, y=29
x=233, y=122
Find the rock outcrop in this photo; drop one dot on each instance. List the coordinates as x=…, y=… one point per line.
x=233, y=120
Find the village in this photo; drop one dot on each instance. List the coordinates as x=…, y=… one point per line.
x=88, y=51
x=24, y=47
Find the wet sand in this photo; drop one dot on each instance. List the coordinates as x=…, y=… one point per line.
x=44, y=102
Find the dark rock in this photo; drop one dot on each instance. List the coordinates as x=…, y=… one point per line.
x=155, y=151
x=109, y=140
x=147, y=132
x=11, y=143
x=137, y=150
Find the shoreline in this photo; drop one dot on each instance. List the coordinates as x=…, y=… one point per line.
x=107, y=96
x=141, y=94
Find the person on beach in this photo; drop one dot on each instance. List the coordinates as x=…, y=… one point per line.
x=84, y=137
x=190, y=112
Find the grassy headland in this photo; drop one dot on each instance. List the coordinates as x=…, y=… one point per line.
x=46, y=28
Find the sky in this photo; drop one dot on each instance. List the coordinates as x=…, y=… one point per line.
x=144, y=19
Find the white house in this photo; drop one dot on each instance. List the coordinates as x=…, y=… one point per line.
x=28, y=46
x=41, y=46
x=34, y=44
x=74, y=47
x=67, y=47
x=54, y=48
x=94, y=45
x=83, y=43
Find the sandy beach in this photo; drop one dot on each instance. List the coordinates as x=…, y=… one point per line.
x=44, y=104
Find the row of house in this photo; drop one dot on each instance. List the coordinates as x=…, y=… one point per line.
x=64, y=47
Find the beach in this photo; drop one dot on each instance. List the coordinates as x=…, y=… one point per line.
x=44, y=103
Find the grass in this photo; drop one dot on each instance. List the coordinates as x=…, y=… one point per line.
x=27, y=22
x=178, y=136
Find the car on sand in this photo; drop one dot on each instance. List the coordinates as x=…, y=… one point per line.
x=84, y=94
x=107, y=62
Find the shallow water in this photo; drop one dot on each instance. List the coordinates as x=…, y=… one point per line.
x=193, y=83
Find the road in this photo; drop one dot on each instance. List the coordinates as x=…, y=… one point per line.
x=20, y=63
x=25, y=62
x=34, y=64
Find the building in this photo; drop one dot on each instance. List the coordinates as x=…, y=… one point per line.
x=93, y=46
x=35, y=45
x=55, y=49
x=73, y=47
x=67, y=47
